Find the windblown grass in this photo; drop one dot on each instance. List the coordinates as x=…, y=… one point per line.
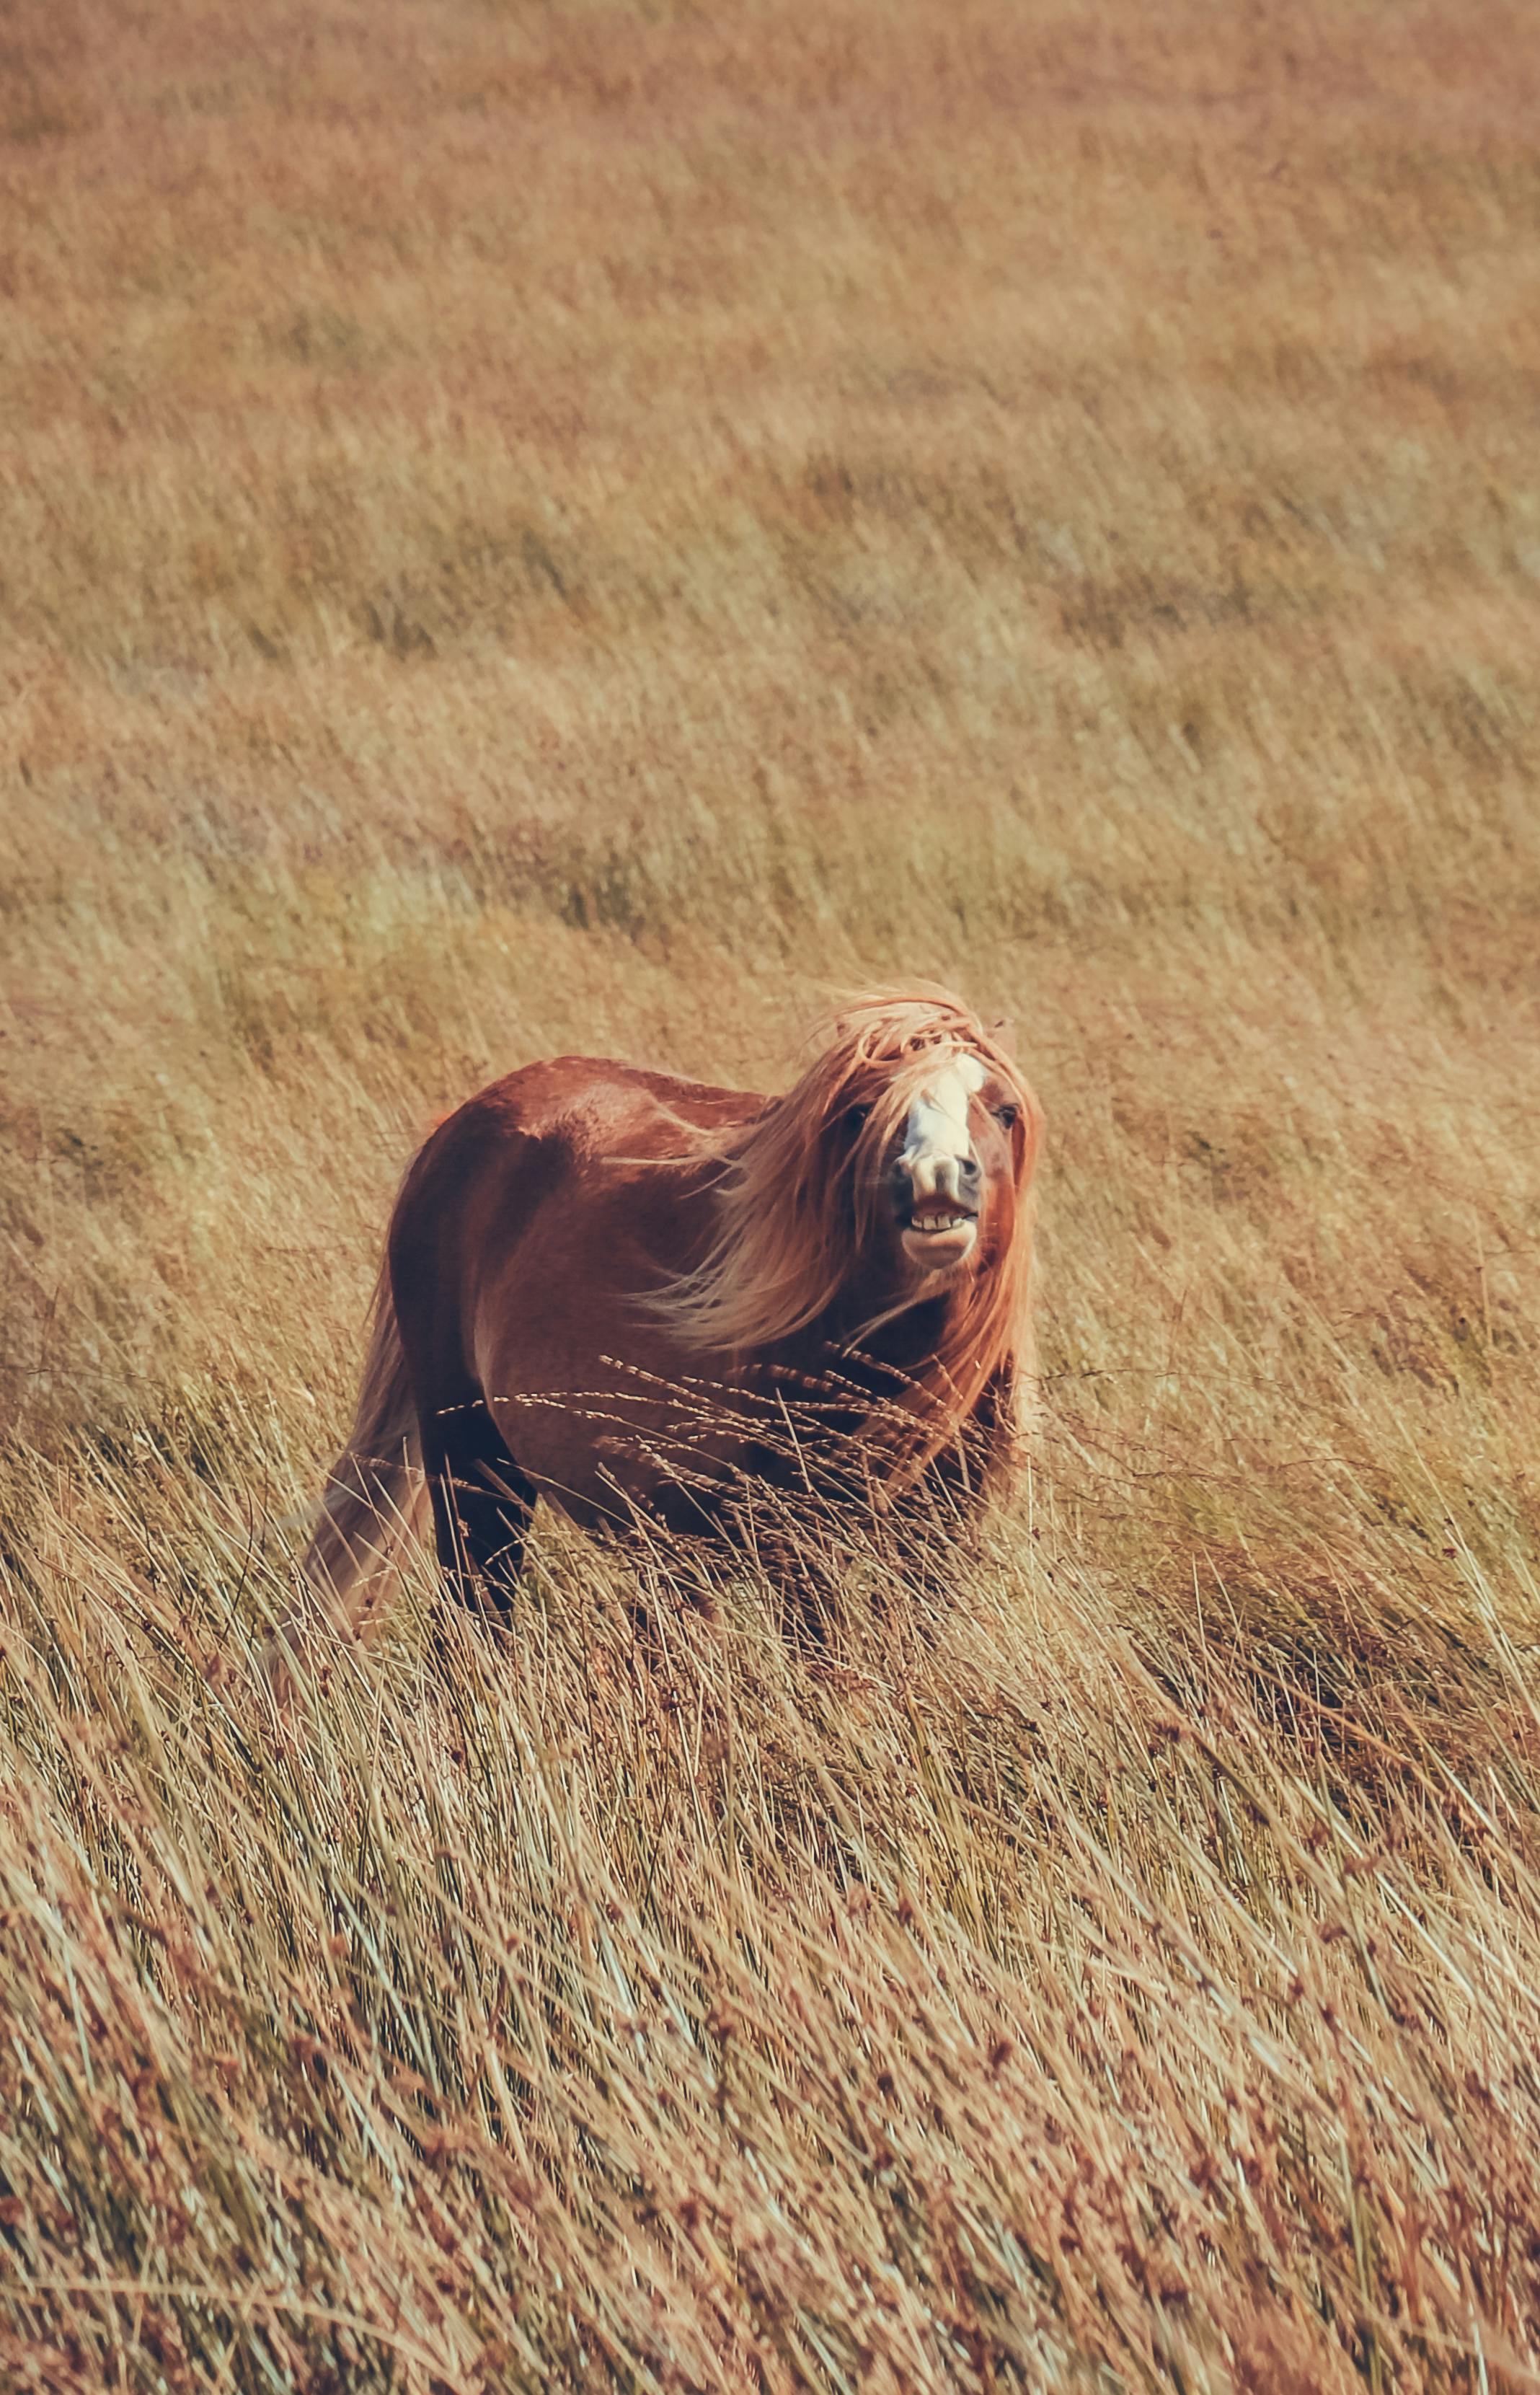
x=580, y=529
x=1017, y=1998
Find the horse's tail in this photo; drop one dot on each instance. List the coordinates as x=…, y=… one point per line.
x=376, y=1501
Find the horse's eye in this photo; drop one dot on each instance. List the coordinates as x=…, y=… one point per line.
x=858, y=1117
x=1005, y=1116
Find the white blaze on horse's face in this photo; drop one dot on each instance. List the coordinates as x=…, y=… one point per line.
x=937, y=1170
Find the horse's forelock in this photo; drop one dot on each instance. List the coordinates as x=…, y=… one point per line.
x=886, y=1050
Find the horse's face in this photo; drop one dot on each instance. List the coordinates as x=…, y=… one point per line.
x=947, y=1170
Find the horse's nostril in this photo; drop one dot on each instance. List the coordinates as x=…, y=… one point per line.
x=968, y=1171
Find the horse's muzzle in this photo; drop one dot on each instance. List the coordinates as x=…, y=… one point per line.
x=943, y=1248
x=936, y=1201
x=932, y=1186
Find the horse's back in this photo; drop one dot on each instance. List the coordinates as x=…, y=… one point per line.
x=602, y=1109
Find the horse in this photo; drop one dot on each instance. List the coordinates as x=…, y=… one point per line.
x=644, y=1298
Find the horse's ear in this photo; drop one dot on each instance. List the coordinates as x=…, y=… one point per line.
x=1004, y=1035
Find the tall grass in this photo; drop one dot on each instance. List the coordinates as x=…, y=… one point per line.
x=1024, y=1995
x=578, y=529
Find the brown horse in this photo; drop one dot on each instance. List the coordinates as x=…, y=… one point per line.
x=642, y=1298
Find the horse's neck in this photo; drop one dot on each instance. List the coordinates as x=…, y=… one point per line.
x=899, y=1342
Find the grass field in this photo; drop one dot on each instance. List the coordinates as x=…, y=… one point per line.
x=590, y=526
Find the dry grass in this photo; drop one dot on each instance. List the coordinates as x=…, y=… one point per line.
x=576, y=527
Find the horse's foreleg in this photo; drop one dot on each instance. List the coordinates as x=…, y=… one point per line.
x=483, y=1504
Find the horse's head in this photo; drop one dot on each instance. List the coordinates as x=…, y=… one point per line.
x=939, y=1134
x=939, y=1142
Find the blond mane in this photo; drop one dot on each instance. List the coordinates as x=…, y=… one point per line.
x=791, y=1221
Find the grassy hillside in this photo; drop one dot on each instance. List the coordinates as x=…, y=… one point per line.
x=589, y=525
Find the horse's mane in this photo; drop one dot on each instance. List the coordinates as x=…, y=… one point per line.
x=797, y=1201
